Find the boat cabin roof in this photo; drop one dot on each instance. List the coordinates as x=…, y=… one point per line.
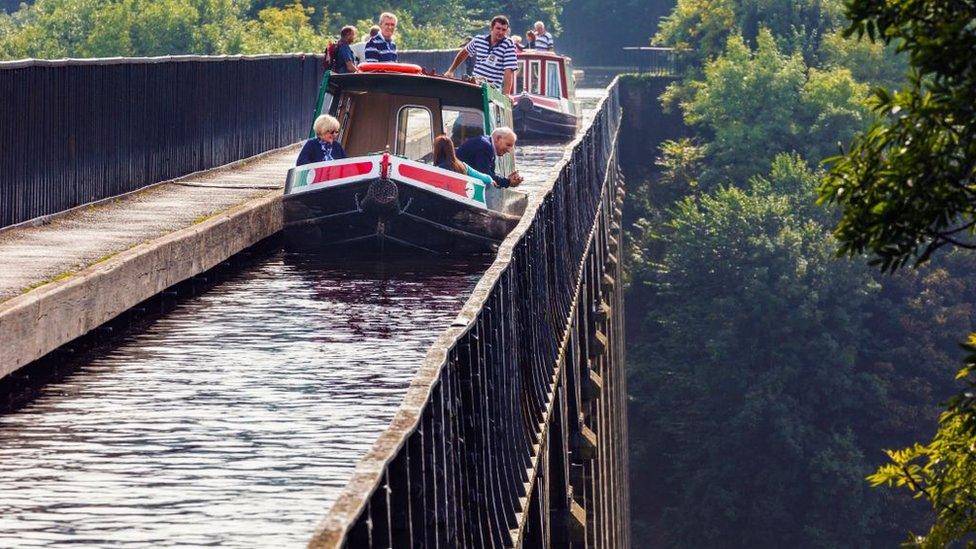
x=458, y=92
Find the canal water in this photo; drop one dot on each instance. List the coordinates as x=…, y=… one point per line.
x=235, y=418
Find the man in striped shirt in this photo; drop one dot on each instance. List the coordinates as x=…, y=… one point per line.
x=543, y=40
x=494, y=56
x=381, y=48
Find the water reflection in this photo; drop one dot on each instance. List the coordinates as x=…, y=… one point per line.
x=234, y=419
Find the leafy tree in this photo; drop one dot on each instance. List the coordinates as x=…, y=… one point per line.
x=944, y=470
x=870, y=62
x=754, y=105
x=704, y=26
x=906, y=186
x=283, y=30
x=748, y=374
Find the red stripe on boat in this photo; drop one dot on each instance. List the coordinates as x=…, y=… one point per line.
x=455, y=185
x=328, y=173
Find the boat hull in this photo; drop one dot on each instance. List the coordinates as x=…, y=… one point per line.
x=386, y=214
x=536, y=121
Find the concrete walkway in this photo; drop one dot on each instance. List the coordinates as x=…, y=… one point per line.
x=71, y=242
x=63, y=278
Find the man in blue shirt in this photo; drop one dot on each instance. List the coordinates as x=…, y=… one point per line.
x=494, y=54
x=480, y=153
x=344, y=60
x=381, y=48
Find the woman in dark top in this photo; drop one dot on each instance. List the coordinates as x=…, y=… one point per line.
x=323, y=146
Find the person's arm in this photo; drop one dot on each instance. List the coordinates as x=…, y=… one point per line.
x=500, y=181
x=508, y=82
x=458, y=59
x=307, y=155
x=338, y=153
x=510, y=66
x=484, y=178
x=348, y=59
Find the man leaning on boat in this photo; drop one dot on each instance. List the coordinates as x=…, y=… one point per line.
x=481, y=151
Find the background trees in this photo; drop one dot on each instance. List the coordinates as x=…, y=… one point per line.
x=100, y=28
x=766, y=375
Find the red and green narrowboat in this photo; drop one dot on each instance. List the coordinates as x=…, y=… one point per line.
x=387, y=194
x=545, y=96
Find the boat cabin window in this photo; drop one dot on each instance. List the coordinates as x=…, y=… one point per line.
x=520, y=78
x=462, y=123
x=497, y=120
x=554, y=86
x=415, y=134
x=534, y=79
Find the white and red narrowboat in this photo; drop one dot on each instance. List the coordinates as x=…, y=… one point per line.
x=545, y=96
x=387, y=194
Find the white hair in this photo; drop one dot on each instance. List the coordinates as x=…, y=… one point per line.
x=539, y=24
x=504, y=131
x=325, y=123
x=387, y=15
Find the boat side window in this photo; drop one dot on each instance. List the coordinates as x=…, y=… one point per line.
x=415, y=134
x=553, y=82
x=462, y=123
x=496, y=116
x=534, y=78
x=520, y=78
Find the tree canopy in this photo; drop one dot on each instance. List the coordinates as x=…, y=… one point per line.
x=767, y=374
x=907, y=187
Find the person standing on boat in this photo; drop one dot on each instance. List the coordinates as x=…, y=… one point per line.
x=344, y=61
x=494, y=54
x=359, y=48
x=543, y=40
x=529, y=40
x=482, y=151
x=381, y=48
x=323, y=146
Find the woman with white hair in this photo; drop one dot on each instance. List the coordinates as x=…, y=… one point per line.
x=323, y=146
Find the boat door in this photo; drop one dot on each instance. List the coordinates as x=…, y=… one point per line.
x=375, y=122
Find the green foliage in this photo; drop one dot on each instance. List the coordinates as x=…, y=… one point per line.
x=283, y=30
x=906, y=186
x=747, y=369
x=873, y=63
x=704, y=26
x=102, y=28
x=943, y=471
x=755, y=105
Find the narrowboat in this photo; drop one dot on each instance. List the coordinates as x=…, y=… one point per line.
x=387, y=194
x=545, y=96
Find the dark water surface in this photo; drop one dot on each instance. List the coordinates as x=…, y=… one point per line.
x=235, y=418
